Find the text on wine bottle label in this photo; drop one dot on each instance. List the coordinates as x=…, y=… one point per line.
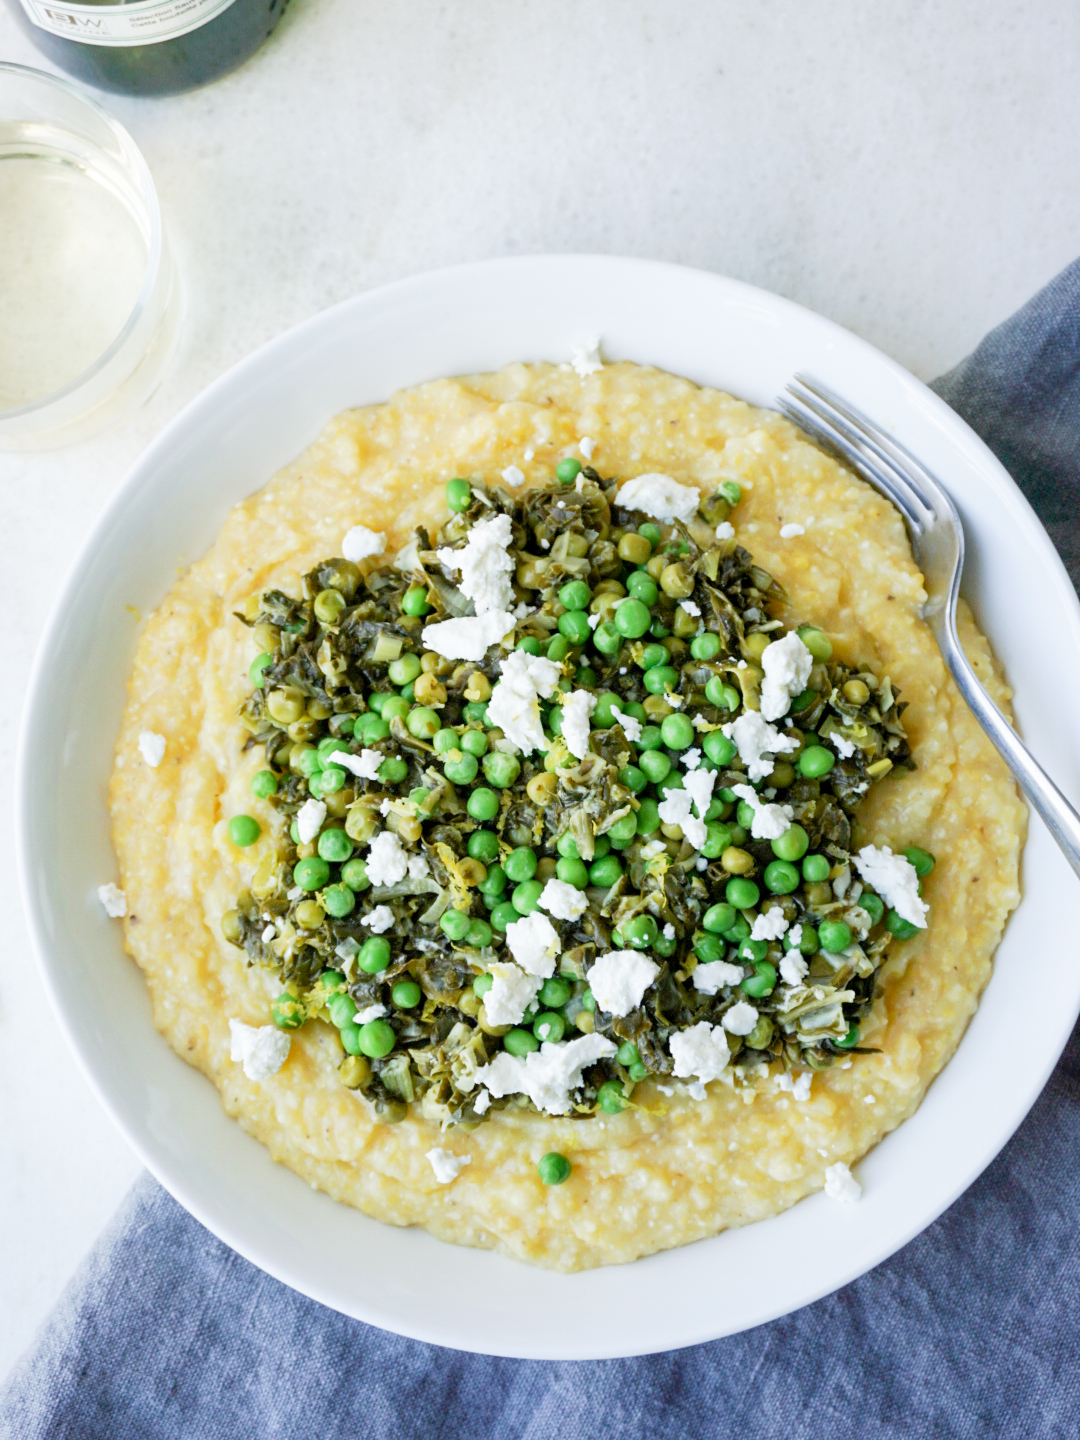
x=147, y=22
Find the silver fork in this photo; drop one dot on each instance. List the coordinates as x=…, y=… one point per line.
x=937, y=541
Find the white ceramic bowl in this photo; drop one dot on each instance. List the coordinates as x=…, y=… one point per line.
x=228, y=443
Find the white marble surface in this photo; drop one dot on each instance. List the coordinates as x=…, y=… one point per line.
x=908, y=170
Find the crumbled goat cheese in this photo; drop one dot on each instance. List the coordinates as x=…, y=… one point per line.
x=309, y=819
x=756, y=740
x=770, y=821
x=418, y=867
x=700, y=1053
x=523, y=611
x=513, y=475
x=152, y=748
x=691, y=759
x=668, y=931
x=585, y=358
x=379, y=919
x=577, y=707
x=895, y=880
x=844, y=747
x=385, y=806
x=528, y=455
x=631, y=728
x=261, y=1049
x=787, y=664
x=360, y=543
x=514, y=705
x=365, y=765
x=691, y=607
x=676, y=808
x=725, y=530
x=548, y=1075
x=485, y=564
x=268, y=934
x=587, y=445
x=563, y=900
x=869, y=1099
x=789, y=531
x=113, y=901
x=387, y=861
x=700, y=723
x=795, y=935
x=619, y=980
x=481, y=1103
x=369, y=1012
x=659, y=496
x=793, y=968
x=696, y=1090
x=510, y=995
x=446, y=1165
x=534, y=943
x=714, y=975
x=798, y=1086
x=770, y=925
x=467, y=637
x=840, y=1184
x=740, y=1019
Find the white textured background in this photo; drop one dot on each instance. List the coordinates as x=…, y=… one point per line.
x=912, y=171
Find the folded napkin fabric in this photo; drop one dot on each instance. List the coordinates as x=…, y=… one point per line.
x=972, y=1331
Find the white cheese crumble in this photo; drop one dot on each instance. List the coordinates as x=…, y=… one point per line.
x=620, y=979
x=577, y=708
x=468, y=637
x=840, y=1184
x=725, y=530
x=309, y=819
x=152, y=748
x=511, y=993
x=668, y=931
x=631, y=728
x=113, y=901
x=691, y=758
x=756, y=740
x=659, y=496
x=365, y=765
x=895, y=880
x=844, y=747
x=787, y=664
x=585, y=358
x=770, y=821
x=563, y=900
x=691, y=607
x=587, y=445
x=379, y=919
x=360, y=543
x=481, y=1103
x=514, y=705
x=676, y=809
x=534, y=943
x=700, y=1053
x=261, y=1049
x=793, y=968
x=740, y=1019
x=711, y=977
x=548, y=1075
x=446, y=1165
x=268, y=934
x=770, y=925
x=798, y=1087
x=514, y=475
x=418, y=867
x=369, y=1012
x=387, y=861
x=793, y=528
x=485, y=564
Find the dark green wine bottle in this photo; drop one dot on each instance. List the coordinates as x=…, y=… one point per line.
x=148, y=47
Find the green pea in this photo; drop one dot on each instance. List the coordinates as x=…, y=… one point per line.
x=638, y=1071
x=648, y=817
x=588, y=1001
x=835, y=936
x=501, y=770
x=611, y=1097
x=745, y=814
x=567, y=470
x=414, y=601
x=719, y=918
x=708, y=948
x=781, y=878
x=762, y=982
x=739, y=931
x=494, y=883
x=483, y=845
x=526, y=896
x=792, y=845
x=554, y=1168
x=922, y=860
x=634, y=779
x=423, y=722
x=574, y=872
x=718, y=747
x=655, y=764
x=463, y=771
x=607, y=639
x=258, y=665
x=392, y=770
x=394, y=707
x=554, y=993
x=742, y=894
x=586, y=677
x=574, y=625
x=530, y=644
x=803, y=701
x=479, y=935
x=244, y=830
x=632, y=618
x=623, y=830
x=549, y=1025
x=643, y=587
x=552, y=719
x=405, y=994
x=377, y=1039
x=808, y=940
x=287, y=1012
x=660, y=679
x=520, y=1042
x=311, y=873
x=475, y=712
x=338, y=901
x=264, y=783
x=482, y=984
x=504, y=914
x=816, y=641
x=445, y=740
x=566, y=845
x=405, y=668
x=332, y=981
x=665, y=947
x=374, y=955
x=370, y=728
x=651, y=531
x=717, y=839
x=521, y=864
x=458, y=495
x=677, y=731
x=558, y=647
x=873, y=905
x=641, y=932
x=627, y=1053
x=896, y=925
x=705, y=647
x=350, y=1038
x=605, y=871
x=454, y=924
x=815, y=869
x=753, y=950
x=651, y=656
x=724, y=697
x=341, y=1010
x=575, y=595
x=815, y=761
x=334, y=845
x=354, y=874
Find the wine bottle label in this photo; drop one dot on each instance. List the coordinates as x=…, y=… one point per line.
x=146, y=22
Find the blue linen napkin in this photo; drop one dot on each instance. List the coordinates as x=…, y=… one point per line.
x=971, y=1331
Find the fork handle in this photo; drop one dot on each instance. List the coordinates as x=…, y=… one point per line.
x=1060, y=818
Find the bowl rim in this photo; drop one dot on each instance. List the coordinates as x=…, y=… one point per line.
x=152, y=1154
